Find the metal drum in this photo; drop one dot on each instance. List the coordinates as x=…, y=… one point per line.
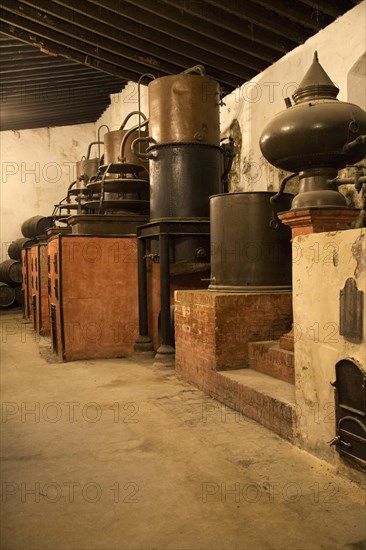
x=7, y=295
x=182, y=178
x=16, y=247
x=11, y=272
x=112, y=150
x=184, y=107
x=35, y=226
x=250, y=247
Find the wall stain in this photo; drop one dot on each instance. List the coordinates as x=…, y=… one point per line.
x=234, y=175
x=358, y=252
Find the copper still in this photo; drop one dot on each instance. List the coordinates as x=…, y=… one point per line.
x=186, y=160
x=315, y=138
x=85, y=170
x=185, y=108
x=112, y=149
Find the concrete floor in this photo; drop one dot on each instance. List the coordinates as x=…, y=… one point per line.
x=121, y=455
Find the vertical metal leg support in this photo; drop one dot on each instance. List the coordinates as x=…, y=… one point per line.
x=165, y=353
x=143, y=342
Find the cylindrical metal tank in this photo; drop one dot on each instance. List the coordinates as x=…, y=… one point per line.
x=16, y=247
x=112, y=149
x=11, y=272
x=7, y=295
x=87, y=168
x=250, y=247
x=184, y=107
x=182, y=178
x=36, y=226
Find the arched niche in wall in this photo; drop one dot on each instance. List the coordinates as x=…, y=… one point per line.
x=356, y=82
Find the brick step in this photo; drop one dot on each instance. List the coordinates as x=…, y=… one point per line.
x=269, y=401
x=268, y=358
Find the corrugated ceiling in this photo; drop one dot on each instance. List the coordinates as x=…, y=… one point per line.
x=90, y=48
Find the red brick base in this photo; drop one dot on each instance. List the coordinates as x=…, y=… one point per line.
x=212, y=333
x=214, y=328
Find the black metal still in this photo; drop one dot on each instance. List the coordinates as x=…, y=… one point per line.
x=250, y=247
x=182, y=178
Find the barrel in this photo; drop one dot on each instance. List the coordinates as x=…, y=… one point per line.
x=11, y=272
x=35, y=226
x=7, y=295
x=184, y=108
x=250, y=247
x=182, y=178
x=16, y=247
x=112, y=149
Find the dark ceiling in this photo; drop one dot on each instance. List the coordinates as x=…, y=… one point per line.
x=60, y=59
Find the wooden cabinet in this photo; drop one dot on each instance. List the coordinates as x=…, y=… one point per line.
x=93, y=294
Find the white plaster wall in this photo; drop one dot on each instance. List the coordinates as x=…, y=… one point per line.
x=121, y=105
x=23, y=194
x=340, y=46
x=37, y=167
x=321, y=264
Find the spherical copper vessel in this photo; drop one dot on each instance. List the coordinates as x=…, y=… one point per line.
x=316, y=137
